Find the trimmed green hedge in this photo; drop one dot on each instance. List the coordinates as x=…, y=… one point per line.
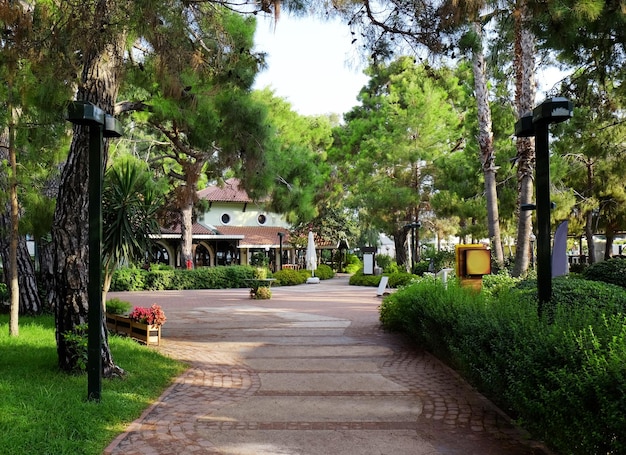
x=287, y=277
x=396, y=279
x=164, y=278
x=610, y=271
x=562, y=375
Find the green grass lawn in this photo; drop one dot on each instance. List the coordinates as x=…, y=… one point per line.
x=45, y=411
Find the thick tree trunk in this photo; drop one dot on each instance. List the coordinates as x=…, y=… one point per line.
x=487, y=153
x=524, y=63
x=70, y=227
x=29, y=300
x=399, y=240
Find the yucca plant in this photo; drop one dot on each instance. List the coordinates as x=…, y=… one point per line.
x=130, y=201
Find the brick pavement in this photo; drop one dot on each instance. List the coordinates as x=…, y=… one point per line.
x=306, y=372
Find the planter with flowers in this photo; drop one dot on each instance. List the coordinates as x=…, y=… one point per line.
x=142, y=324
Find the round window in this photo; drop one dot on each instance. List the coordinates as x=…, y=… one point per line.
x=225, y=218
x=262, y=219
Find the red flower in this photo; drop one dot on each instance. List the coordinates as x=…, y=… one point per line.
x=151, y=316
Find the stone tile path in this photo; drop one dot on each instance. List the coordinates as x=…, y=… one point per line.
x=307, y=372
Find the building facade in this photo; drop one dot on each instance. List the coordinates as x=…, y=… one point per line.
x=235, y=230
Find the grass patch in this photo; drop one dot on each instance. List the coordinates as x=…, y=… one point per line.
x=45, y=411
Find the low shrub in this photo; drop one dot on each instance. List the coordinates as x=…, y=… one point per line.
x=398, y=279
x=353, y=264
x=167, y=278
x=287, y=277
x=560, y=375
x=610, y=271
x=263, y=293
x=384, y=261
x=395, y=279
x=324, y=272
x=117, y=306
x=358, y=279
x=128, y=279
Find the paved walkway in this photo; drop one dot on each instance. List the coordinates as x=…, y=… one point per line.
x=307, y=372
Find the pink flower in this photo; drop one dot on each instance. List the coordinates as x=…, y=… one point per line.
x=151, y=316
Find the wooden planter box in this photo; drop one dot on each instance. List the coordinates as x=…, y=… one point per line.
x=123, y=325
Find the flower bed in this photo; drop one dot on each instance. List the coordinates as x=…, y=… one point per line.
x=142, y=324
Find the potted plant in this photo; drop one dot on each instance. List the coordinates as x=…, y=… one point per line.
x=142, y=324
x=146, y=324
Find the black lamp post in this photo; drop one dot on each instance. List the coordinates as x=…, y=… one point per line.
x=552, y=110
x=280, y=249
x=100, y=125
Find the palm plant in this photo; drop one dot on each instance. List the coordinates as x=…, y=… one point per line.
x=130, y=201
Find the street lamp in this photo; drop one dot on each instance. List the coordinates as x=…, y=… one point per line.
x=280, y=248
x=100, y=125
x=552, y=110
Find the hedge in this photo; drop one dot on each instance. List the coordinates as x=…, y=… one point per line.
x=561, y=375
x=166, y=278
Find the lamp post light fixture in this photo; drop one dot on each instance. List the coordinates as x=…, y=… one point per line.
x=100, y=125
x=552, y=110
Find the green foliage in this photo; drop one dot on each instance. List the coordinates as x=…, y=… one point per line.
x=561, y=375
x=609, y=271
x=259, y=259
x=4, y=293
x=353, y=263
x=118, y=306
x=167, y=278
x=263, y=293
x=287, y=277
x=579, y=294
x=76, y=341
x=395, y=279
x=399, y=279
x=34, y=390
x=324, y=272
x=358, y=279
x=128, y=279
x=384, y=261
x=130, y=200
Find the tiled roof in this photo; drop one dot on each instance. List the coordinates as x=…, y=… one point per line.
x=196, y=229
x=256, y=236
x=230, y=192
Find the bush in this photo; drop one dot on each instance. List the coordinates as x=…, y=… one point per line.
x=167, y=278
x=262, y=293
x=128, y=279
x=400, y=279
x=395, y=279
x=562, y=377
x=358, y=279
x=117, y=306
x=610, y=271
x=287, y=277
x=384, y=261
x=324, y=272
x=353, y=264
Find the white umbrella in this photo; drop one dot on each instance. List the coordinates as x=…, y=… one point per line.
x=311, y=255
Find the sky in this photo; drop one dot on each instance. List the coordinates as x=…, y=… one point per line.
x=312, y=64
